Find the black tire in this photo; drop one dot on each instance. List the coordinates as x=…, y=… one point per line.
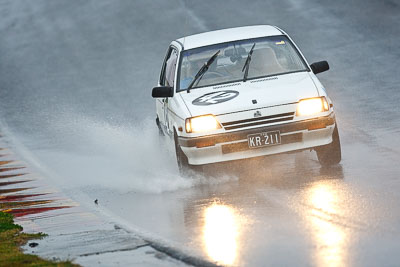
x=160, y=131
x=183, y=163
x=330, y=154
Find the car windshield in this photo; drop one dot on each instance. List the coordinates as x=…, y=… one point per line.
x=271, y=56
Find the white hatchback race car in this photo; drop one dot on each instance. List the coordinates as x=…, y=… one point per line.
x=240, y=93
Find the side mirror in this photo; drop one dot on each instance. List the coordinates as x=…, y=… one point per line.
x=162, y=91
x=319, y=67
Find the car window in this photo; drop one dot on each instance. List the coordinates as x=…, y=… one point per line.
x=170, y=67
x=271, y=56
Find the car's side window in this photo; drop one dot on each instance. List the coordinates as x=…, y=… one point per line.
x=168, y=72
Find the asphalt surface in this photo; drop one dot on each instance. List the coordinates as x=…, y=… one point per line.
x=75, y=83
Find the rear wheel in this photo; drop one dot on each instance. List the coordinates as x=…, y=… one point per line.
x=183, y=163
x=330, y=154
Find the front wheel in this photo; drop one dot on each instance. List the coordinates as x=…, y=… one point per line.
x=330, y=154
x=183, y=163
x=160, y=131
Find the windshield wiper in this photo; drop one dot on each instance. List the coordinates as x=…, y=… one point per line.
x=202, y=70
x=247, y=63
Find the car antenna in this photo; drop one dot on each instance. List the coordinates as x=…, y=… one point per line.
x=185, y=28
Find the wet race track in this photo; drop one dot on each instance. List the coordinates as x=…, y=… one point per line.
x=75, y=86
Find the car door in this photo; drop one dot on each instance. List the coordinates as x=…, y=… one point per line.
x=167, y=78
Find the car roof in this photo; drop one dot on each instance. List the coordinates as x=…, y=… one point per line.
x=227, y=35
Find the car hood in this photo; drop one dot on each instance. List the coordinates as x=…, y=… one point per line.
x=259, y=93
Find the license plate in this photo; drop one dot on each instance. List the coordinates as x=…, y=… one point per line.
x=264, y=139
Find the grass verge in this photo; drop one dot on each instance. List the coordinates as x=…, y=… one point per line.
x=12, y=237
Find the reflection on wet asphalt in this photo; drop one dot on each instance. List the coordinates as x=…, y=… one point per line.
x=331, y=237
x=220, y=233
x=244, y=213
x=295, y=212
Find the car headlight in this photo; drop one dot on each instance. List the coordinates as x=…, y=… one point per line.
x=312, y=106
x=202, y=124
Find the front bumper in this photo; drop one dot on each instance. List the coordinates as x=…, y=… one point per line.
x=297, y=135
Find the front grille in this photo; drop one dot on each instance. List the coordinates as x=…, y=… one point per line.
x=243, y=146
x=261, y=121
